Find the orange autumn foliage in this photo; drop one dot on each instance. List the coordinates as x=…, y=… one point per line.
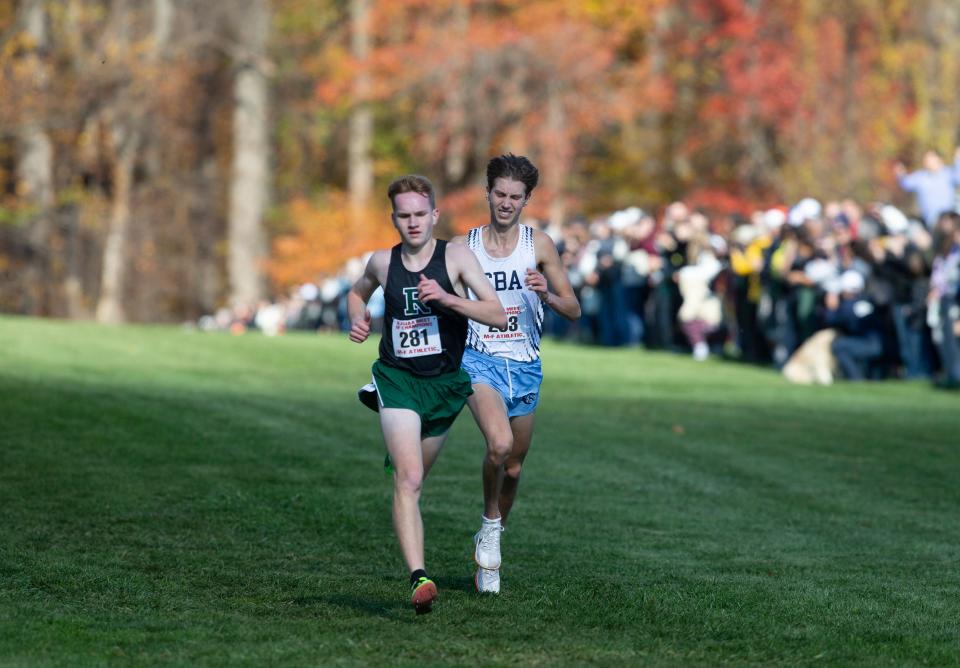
x=325, y=234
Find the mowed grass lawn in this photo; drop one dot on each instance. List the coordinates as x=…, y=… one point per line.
x=171, y=497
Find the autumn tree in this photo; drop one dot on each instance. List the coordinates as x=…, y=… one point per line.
x=160, y=158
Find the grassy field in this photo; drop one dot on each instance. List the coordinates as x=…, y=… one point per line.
x=171, y=497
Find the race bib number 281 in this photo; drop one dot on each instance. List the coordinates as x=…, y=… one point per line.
x=416, y=337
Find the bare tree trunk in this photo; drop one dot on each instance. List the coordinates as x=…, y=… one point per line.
x=456, y=153
x=162, y=25
x=207, y=289
x=850, y=153
x=758, y=171
x=127, y=137
x=248, y=181
x=163, y=16
x=360, y=161
x=75, y=303
x=124, y=142
x=812, y=127
x=651, y=135
x=35, y=174
x=557, y=152
x=484, y=64
x=110, y=309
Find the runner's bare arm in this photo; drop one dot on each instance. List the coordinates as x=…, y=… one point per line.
x=552, y=275
x=360, y=293
x=463, y=267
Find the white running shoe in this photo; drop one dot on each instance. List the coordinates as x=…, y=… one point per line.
x=487, y=546
x=487, y=581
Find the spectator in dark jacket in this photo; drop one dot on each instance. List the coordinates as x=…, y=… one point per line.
x=901, y=260
x=943, y=313
x=860, y=330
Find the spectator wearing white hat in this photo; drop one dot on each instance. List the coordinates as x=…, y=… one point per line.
x=608, y=250
x=797, y=306
x=641, y=261
x=804, y=210
x=860, y=332
x=676, y=231
x=900, y=259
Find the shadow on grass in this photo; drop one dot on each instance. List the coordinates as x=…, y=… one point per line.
x=370, y=607
x=456, y=582
x=385, y=608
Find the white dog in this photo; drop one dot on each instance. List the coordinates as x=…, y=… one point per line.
x=813, y=362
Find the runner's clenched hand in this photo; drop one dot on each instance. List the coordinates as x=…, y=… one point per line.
x=360, y=328
x=429, y=290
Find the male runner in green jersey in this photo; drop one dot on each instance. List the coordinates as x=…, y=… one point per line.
x=419, y=385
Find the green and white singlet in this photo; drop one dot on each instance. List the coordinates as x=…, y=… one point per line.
x=425, y=339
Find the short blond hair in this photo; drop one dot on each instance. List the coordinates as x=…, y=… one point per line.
x=411, y=183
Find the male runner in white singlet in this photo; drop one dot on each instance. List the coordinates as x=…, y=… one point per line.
x=524, y=268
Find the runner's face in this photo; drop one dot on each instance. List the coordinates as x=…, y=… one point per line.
x=507, y=199
x=414, y=218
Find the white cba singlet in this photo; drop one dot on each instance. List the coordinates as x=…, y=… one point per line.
x=520, y=341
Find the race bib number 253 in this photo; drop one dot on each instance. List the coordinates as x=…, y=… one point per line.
x=512, y=332
x=416, y=337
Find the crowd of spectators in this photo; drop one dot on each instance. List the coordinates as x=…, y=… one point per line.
x=758, y=288
x=818, y=290
x=308, y=307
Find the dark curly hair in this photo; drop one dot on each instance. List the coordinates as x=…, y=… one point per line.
x=515, y=167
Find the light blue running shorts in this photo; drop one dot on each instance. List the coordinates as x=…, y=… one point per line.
x=517, y=382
